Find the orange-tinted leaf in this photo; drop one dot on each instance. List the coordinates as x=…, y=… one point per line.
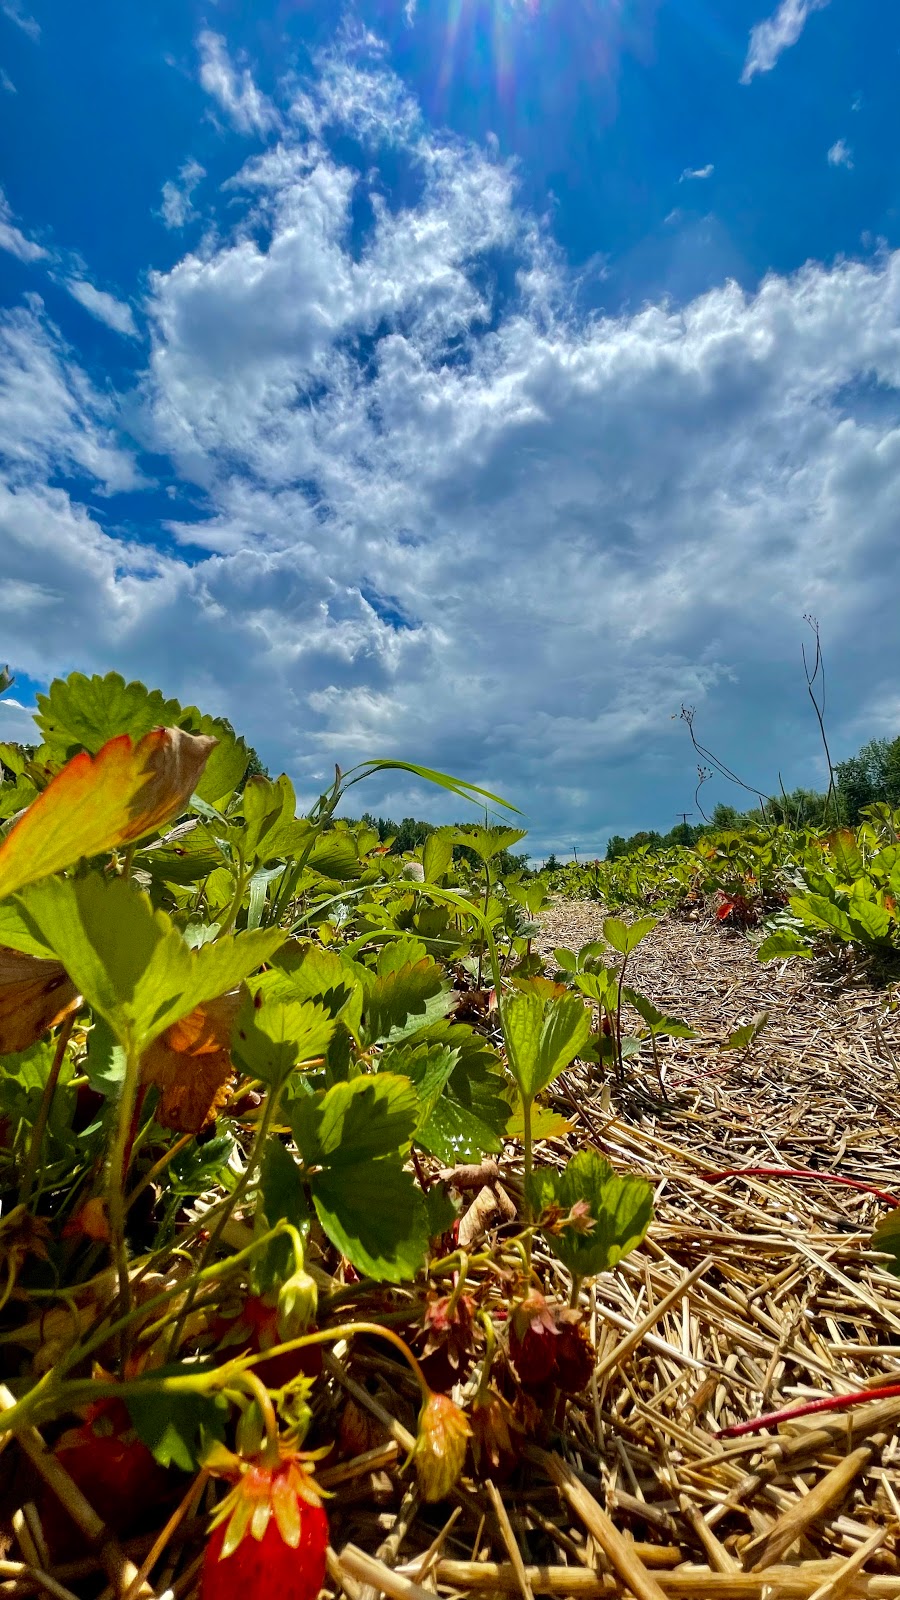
x=191, y=1064
x=97, y=803
x=34, y=996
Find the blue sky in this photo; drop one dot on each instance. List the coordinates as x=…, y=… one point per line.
x=472, y=381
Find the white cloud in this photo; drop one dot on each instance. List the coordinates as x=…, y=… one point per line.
x=6, y=82
x=244, y=104
x=15, y=11
x=105, y=307
x=176, y=197
x=777, y=33
x=697, y=172
x=443, y=515
x=13, y=240
x=52, y=419
x=840, y=154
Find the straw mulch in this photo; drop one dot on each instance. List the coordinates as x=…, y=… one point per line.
x=749, y=1294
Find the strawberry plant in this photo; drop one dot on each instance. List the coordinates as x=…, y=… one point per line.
x=237, y=1047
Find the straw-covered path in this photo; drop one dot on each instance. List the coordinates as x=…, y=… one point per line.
x=750, y=1294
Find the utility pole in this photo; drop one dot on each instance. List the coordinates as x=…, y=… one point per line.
x=684, y=816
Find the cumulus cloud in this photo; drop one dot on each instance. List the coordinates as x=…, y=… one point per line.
x=246, y=107
x=444, y=515
x=177, y=209
x=105, y=307
x=840, y=154
x=768, y=39
x=697, y=172
x=13, y=240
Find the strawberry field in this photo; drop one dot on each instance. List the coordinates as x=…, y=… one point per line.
x=389, y=1222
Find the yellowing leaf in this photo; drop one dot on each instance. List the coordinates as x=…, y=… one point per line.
x=34, y=996
x=191, y=1064
x=97, y=803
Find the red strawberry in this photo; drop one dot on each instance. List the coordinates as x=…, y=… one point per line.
x=575, y=1357
x=532, y=1340
x=268, y=1566
x=117, y=1476
x=534, y=1355
x=271, y=1539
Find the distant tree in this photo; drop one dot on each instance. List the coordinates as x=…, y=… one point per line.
x=617, y=846
x=551, y=864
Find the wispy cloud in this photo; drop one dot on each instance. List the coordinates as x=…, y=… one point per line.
x=15, y=11
x=840, y=154
x=697, y=172
x=177, y=209
x=6, y=82
x=105, y=307
x=777, y=33
x=13, y=240
x=248, y=109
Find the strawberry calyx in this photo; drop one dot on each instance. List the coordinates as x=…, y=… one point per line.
x=264, y=1488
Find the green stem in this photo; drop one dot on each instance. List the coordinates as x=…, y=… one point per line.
x=115, y=1177
x=51, y=1396
x=226, y=1208
x=527, y=1164
x=158, y=1167
x=40, y=1121
x=241, y=882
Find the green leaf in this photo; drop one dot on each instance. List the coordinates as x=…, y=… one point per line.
x=601, y=987
x=271, y=829
x=281, y=1193
x=429, y=1067
x=129, y=961
x=783, y=942
x=178, y=1428
x=625, y=937
x=745, y=1035
x=105, y=1061
x=377, y=1217
x=656, y=1020
x=566, y=959
x=396, y=995
x=18, y=932
x=621, y=1209
x=353, y=1137
x=437, y=854
x=13, y=757
x=816, y=911
x=886, y=1237
x=201, y=1167
x=79, y=713
x=335, y=855
x=14, y=797
x=545, y=1122
x=543, y=1038
x=873, y=922
x=489, y=842
x=273, y=1035
x=847, y=855
x=227, y=763
x=23, y=1076
x=457, y=786
x=356, y=1122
